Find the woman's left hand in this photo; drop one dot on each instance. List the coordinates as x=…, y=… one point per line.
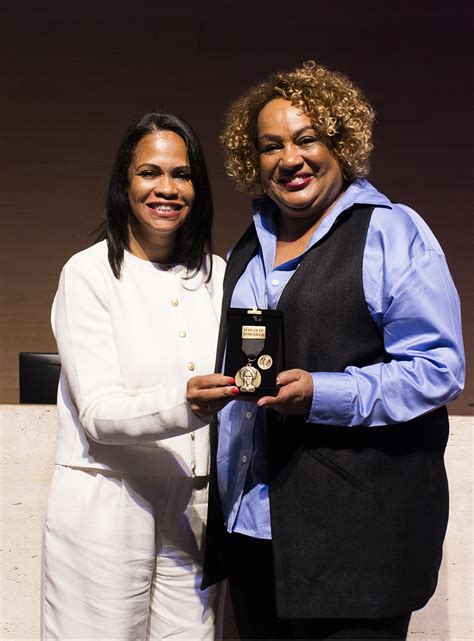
x=295, y=395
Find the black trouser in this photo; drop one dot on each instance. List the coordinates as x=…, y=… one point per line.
x=252, y=589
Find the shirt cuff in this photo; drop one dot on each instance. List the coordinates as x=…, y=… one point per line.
x=332, y=398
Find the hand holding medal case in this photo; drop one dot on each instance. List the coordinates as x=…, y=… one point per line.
x=254, y=351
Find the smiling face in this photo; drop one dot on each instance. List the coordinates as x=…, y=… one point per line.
x=298, y=172
x=160, y=194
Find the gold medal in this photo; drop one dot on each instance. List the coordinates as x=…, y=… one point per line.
x=265, y=361
x=248, y=378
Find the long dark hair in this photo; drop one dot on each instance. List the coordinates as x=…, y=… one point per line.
x=193, y=239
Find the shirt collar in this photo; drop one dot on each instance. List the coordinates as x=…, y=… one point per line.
x=360, y=191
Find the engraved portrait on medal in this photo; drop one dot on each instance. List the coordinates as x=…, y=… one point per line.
x=248, y=378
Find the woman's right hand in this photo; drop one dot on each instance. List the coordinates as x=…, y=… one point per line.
x=208, y=394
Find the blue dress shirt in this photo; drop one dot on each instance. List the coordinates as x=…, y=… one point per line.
x=411, y=298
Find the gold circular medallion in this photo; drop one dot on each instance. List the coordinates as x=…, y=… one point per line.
x=265, y=361
x=248, y=378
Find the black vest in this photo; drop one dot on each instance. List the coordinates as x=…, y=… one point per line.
x=358, y=514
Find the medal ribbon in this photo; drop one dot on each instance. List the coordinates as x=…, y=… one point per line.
x=252, y=347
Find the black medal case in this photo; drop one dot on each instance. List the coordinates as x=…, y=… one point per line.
x=254, y=351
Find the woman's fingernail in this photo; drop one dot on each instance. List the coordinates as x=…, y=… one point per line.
x=234, y=390
x=231, y=380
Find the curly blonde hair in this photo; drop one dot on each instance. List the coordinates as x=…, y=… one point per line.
x=338, y=111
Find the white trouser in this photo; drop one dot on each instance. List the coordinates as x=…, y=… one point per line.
x=122, y=558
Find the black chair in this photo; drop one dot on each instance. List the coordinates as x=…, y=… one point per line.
x=39, y=377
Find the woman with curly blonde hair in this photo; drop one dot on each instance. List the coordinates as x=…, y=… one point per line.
x=328, y=503
x=338, y=111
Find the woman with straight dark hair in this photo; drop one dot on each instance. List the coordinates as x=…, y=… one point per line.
x=135, y=316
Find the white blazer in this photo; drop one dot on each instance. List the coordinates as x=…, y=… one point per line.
x=127, y=349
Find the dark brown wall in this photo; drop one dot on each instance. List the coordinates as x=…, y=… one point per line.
x=76, y=74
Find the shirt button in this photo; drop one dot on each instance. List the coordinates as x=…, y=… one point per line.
x=182, y=333
x=275, y=282
x=193, y=468
x=191, y=366
x=248, y=414
x=193, y=436
x=244, y=458
x=174, y=302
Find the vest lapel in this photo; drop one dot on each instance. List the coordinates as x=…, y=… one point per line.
x=238, y=260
